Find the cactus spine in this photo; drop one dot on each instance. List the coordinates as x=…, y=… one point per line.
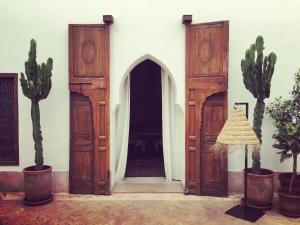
x=36, y=87
x=257, y=74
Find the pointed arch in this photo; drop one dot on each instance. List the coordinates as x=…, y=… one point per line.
x=137, y=62
x=121, y=121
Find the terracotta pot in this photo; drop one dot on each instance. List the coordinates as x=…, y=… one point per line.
x=285, y=179
x=289, y=204
x=37, y=185
x=260, y=189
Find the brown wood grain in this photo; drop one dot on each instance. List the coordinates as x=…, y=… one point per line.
x=213, y=177
x=206, y=75
x=81, y=144
x=89, y=77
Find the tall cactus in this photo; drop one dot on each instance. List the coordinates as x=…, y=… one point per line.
x=257, y=74
x=36, y=87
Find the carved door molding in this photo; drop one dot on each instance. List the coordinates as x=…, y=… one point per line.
x=206, y=75
x=89, y=109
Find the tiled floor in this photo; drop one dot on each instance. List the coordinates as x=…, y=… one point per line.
x=131, y=209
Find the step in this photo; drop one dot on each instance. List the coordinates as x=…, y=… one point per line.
x=147, y=185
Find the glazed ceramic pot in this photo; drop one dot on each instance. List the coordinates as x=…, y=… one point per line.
x=289, y=203
x=37, y=185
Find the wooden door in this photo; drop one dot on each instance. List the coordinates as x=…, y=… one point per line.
x=82, y=145
x=89, y=97
x=206, y=75
x=213, y=170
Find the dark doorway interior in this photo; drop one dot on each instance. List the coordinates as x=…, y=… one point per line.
x=145, y=149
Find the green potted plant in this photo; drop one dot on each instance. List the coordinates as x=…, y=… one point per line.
x=37, y=179
x=257, y=72
x=286, y=118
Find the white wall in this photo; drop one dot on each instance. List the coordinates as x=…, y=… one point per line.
x=142, y=27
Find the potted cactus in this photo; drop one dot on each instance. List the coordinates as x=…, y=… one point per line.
x=286, y=117
x=257, y=72
x=37, y=179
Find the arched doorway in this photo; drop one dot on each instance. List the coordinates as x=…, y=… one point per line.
x=171, y=121
x=145, y=146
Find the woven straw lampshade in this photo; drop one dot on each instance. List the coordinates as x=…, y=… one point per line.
x=236, y=131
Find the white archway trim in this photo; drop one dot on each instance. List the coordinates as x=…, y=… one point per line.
x=157, y=61
x=123, y=130
x=167, y=110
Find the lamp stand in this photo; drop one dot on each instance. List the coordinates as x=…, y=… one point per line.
x=245, y=212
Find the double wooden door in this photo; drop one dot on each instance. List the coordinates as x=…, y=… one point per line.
x=206, y=107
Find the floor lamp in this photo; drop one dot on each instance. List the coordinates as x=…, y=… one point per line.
x=237, y=131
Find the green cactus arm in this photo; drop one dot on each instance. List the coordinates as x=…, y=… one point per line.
x=49, y=66
x=265, y=65
x=266, y=81
x=45, y=92
x=24, y=85
x=45, y=79
x=28, y=70
x=31, y=65
x=248, y=69
x=259, y=68
x=271, y=59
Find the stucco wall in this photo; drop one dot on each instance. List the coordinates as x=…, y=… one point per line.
x=142, y=27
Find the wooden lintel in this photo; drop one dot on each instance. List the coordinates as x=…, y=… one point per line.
x=187, y=19
x=108, y=19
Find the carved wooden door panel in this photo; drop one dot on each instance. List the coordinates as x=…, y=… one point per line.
x=89, y=91
x=82, y=146
x=213, y=177
x=206, y=74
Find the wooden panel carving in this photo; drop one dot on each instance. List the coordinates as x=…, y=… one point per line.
x=81, y=144
x=200, y=56
x=206, y=50
x=213, y=170
x=206, y=74
x=89, y=53
x=89, y=76
x=9, y=147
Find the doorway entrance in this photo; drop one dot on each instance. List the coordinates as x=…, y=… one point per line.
x=148, y=123
x=145, y=146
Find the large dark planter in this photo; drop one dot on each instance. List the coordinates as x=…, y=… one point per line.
x=289, y=204
x=285, y=179
x=260, y=189
x=37, y=185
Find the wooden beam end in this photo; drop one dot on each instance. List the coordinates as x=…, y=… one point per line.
x=187, y=19
x=108, y=19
